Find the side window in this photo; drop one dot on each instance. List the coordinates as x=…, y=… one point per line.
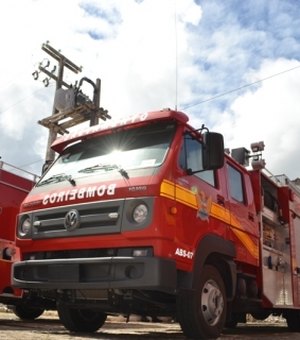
x=191, y=158
x=235, y=184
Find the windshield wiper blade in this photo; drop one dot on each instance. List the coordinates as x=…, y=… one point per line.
x=123, y=172
x=96, y=167
x=71, y=180
x=106, y=167
x=58, y=178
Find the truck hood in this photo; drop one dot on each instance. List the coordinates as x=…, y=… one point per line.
x=93, y=188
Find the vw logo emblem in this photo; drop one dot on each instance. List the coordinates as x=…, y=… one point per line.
x=72, y=220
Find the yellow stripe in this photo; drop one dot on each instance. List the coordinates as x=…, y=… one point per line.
x=167, y=189
x=247, y=242
x=226, y=216
x=220, y=213
x=178, y=193
x=235, y=222
x=186, y=197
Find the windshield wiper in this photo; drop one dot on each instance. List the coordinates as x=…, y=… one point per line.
x=106, y=167
x=58, y=178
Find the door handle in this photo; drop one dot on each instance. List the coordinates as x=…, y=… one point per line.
x=251, y=216
x=220, y=200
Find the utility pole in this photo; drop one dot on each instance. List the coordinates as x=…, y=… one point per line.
x=62, y=63
x=97, y=92
x=70, y=106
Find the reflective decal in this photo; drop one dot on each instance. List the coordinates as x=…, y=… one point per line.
x=138, y=188
x=82, y=193
x=184, y=253
x=204, y=204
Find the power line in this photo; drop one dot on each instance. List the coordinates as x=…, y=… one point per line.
x=9, y=83
x=239, y=88
x=40, y=160
x=22, y=100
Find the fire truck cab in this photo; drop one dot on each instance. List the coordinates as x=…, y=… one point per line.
x=148, y=215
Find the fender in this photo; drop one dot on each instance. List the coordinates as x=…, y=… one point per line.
x=219, y=252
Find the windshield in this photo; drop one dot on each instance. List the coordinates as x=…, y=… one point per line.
x=141, y=147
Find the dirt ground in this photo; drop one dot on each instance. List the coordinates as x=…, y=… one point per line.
x=48, y=327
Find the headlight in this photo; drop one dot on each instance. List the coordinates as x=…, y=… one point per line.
x=24, y=226
x=138, y=252
x=140, y=213
x=8, y=253
x=137, y=213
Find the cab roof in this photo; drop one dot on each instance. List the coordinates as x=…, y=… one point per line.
x=62, y=142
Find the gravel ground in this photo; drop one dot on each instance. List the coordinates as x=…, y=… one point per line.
x=48, y=327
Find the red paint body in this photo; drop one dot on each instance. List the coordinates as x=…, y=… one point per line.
x=242, y=222
x=13, y=189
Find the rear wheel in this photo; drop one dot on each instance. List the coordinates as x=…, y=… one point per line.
x=26, y=312
x=262, y=315
x=293, y=320
x=202, y=312
x=233, y=319
x=80, y=320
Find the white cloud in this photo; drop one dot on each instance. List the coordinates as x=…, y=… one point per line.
x=144, y=53
x=269, y=112
x=131, y=46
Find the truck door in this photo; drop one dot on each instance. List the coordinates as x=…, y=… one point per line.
x=202, y=200
x=244, y=225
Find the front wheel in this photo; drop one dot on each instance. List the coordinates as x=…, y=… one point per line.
x=202, y=312
x=80, y=320
x=26, y=312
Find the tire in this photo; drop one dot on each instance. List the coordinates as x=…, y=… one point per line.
x=25, y=312
x=231, y=324
x=262, y=315
x=80, y=320
x=293, y=320
x=234, y=319
x=202, y=312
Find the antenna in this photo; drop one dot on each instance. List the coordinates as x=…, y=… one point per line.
x=176, y=55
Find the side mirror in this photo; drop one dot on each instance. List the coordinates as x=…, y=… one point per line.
x=213, y=151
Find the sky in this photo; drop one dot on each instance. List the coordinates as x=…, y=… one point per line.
x=232, y=65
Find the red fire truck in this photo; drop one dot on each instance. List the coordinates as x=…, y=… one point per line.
x=15, y=184
x=148, y=215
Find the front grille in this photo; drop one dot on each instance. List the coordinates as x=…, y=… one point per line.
x=95, y=218
x=84, y=253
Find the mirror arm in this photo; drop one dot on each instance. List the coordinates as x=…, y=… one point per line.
x=190, y=172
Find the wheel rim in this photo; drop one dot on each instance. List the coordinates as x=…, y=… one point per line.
x=212, y=302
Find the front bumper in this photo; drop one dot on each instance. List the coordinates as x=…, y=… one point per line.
x=149, y=273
